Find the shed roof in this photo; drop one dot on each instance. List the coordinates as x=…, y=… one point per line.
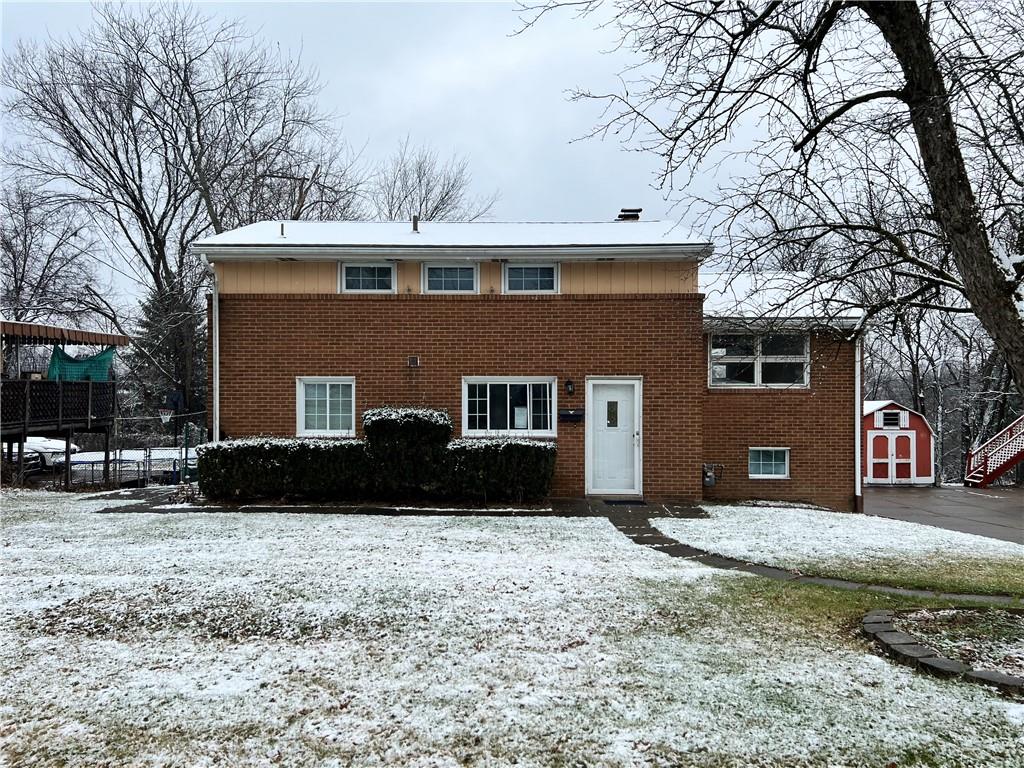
x=870, y=406
x=38, y=333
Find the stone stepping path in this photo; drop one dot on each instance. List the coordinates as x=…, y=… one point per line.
x=636, y=526
x=909, y=650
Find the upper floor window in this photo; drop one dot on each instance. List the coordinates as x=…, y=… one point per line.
x=368, y=278
x=771, y=360
x=531, y=278
x=508, y=406
x=439, y=278
x=325, y=406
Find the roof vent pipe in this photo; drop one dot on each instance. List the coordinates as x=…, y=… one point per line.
x=629, y=214
x=415, y=223
x=282, y=229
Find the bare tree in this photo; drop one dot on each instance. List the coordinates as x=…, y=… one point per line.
x=166, y=125
x=46, y=251
x=887, y=136
x=414, y=181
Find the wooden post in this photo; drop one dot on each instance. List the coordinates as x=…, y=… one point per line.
x=67, y=462
x=60, y=403
x=106, y=456
x=21, y=459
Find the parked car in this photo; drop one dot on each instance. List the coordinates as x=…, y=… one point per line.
x=50, y=451
x=42, y=454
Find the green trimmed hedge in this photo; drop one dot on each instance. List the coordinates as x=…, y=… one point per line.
x=283, y=468
x=406, y=455
x=406, y=447
x=494, y=469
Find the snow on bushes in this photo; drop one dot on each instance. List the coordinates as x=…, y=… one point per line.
x=406, y=454
x=407, y=415
x=407, y=449
x=492, y=469
x=283, y=468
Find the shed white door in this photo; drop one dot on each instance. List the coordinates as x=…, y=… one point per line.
x=891, y=457
x=613, y=437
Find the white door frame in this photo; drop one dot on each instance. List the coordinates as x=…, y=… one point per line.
x=891, y=479
x=638, y=435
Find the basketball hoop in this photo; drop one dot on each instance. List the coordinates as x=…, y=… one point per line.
x=165, y=414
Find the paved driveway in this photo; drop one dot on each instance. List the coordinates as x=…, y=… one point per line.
x=994, y=512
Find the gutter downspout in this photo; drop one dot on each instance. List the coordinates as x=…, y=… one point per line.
x=858, y=420
x=216, y=348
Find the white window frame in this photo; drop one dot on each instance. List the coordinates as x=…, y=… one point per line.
x=504, y=278
x=342, y=266
x=550, y=380
x=300, y=406
x=428, y=265
x=769, y=448
x=758, y=359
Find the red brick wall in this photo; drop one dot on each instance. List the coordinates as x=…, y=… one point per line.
x=268, y=340
x=817, y=425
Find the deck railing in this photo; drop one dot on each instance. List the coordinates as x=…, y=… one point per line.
x=40, y=405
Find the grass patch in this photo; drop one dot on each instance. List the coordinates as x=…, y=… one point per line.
x=964, y=575
x=759, y=605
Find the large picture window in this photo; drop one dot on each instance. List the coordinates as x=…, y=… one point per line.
x=531, y=278
x=325, y=406
x=368, y=278
x=508, y=406
x=771, y=360
x=439, y=278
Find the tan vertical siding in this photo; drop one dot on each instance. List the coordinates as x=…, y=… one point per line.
x=610, y=277
x=490, y=277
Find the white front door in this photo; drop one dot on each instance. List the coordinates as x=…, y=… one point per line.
x=891, y=456
x=613, y=436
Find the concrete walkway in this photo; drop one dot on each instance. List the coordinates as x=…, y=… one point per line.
x=994, y=512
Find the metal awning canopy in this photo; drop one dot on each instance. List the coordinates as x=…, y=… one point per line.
x=36, y=333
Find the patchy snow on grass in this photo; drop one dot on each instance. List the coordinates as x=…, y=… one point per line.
x=791, y=537
x=304, y=639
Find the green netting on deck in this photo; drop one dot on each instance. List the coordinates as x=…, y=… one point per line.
x=66, y=368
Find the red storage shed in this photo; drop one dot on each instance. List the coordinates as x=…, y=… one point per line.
x=899, y=445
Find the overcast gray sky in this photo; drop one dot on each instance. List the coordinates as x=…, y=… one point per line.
x=453, y=75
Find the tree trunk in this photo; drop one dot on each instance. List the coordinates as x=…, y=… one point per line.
x=986, y=286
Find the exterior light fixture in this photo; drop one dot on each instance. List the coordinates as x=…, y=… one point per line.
x=570, y=387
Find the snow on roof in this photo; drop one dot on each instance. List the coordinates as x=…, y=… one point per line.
x=779, y=296
x=484, y=234
x=870, y=406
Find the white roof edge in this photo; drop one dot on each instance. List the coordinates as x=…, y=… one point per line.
x=713, y=321
x=870, y=406
x=402, y=252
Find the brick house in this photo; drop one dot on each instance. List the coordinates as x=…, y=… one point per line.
x=595, y=335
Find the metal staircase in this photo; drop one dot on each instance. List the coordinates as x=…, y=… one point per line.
x=995, y=457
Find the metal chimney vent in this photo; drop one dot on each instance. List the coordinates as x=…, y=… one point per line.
x=629, y=214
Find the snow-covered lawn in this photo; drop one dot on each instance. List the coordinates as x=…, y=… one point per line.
x=860, y=547
x=261, y=639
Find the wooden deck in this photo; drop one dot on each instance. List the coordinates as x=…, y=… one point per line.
x=52, y=408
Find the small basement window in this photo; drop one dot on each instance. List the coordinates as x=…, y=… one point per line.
x=768, y=463
x=508, y=406
x=325, y=406
x=368, y=278
x=771, y=360
x=445, y=279
x=539, y=278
